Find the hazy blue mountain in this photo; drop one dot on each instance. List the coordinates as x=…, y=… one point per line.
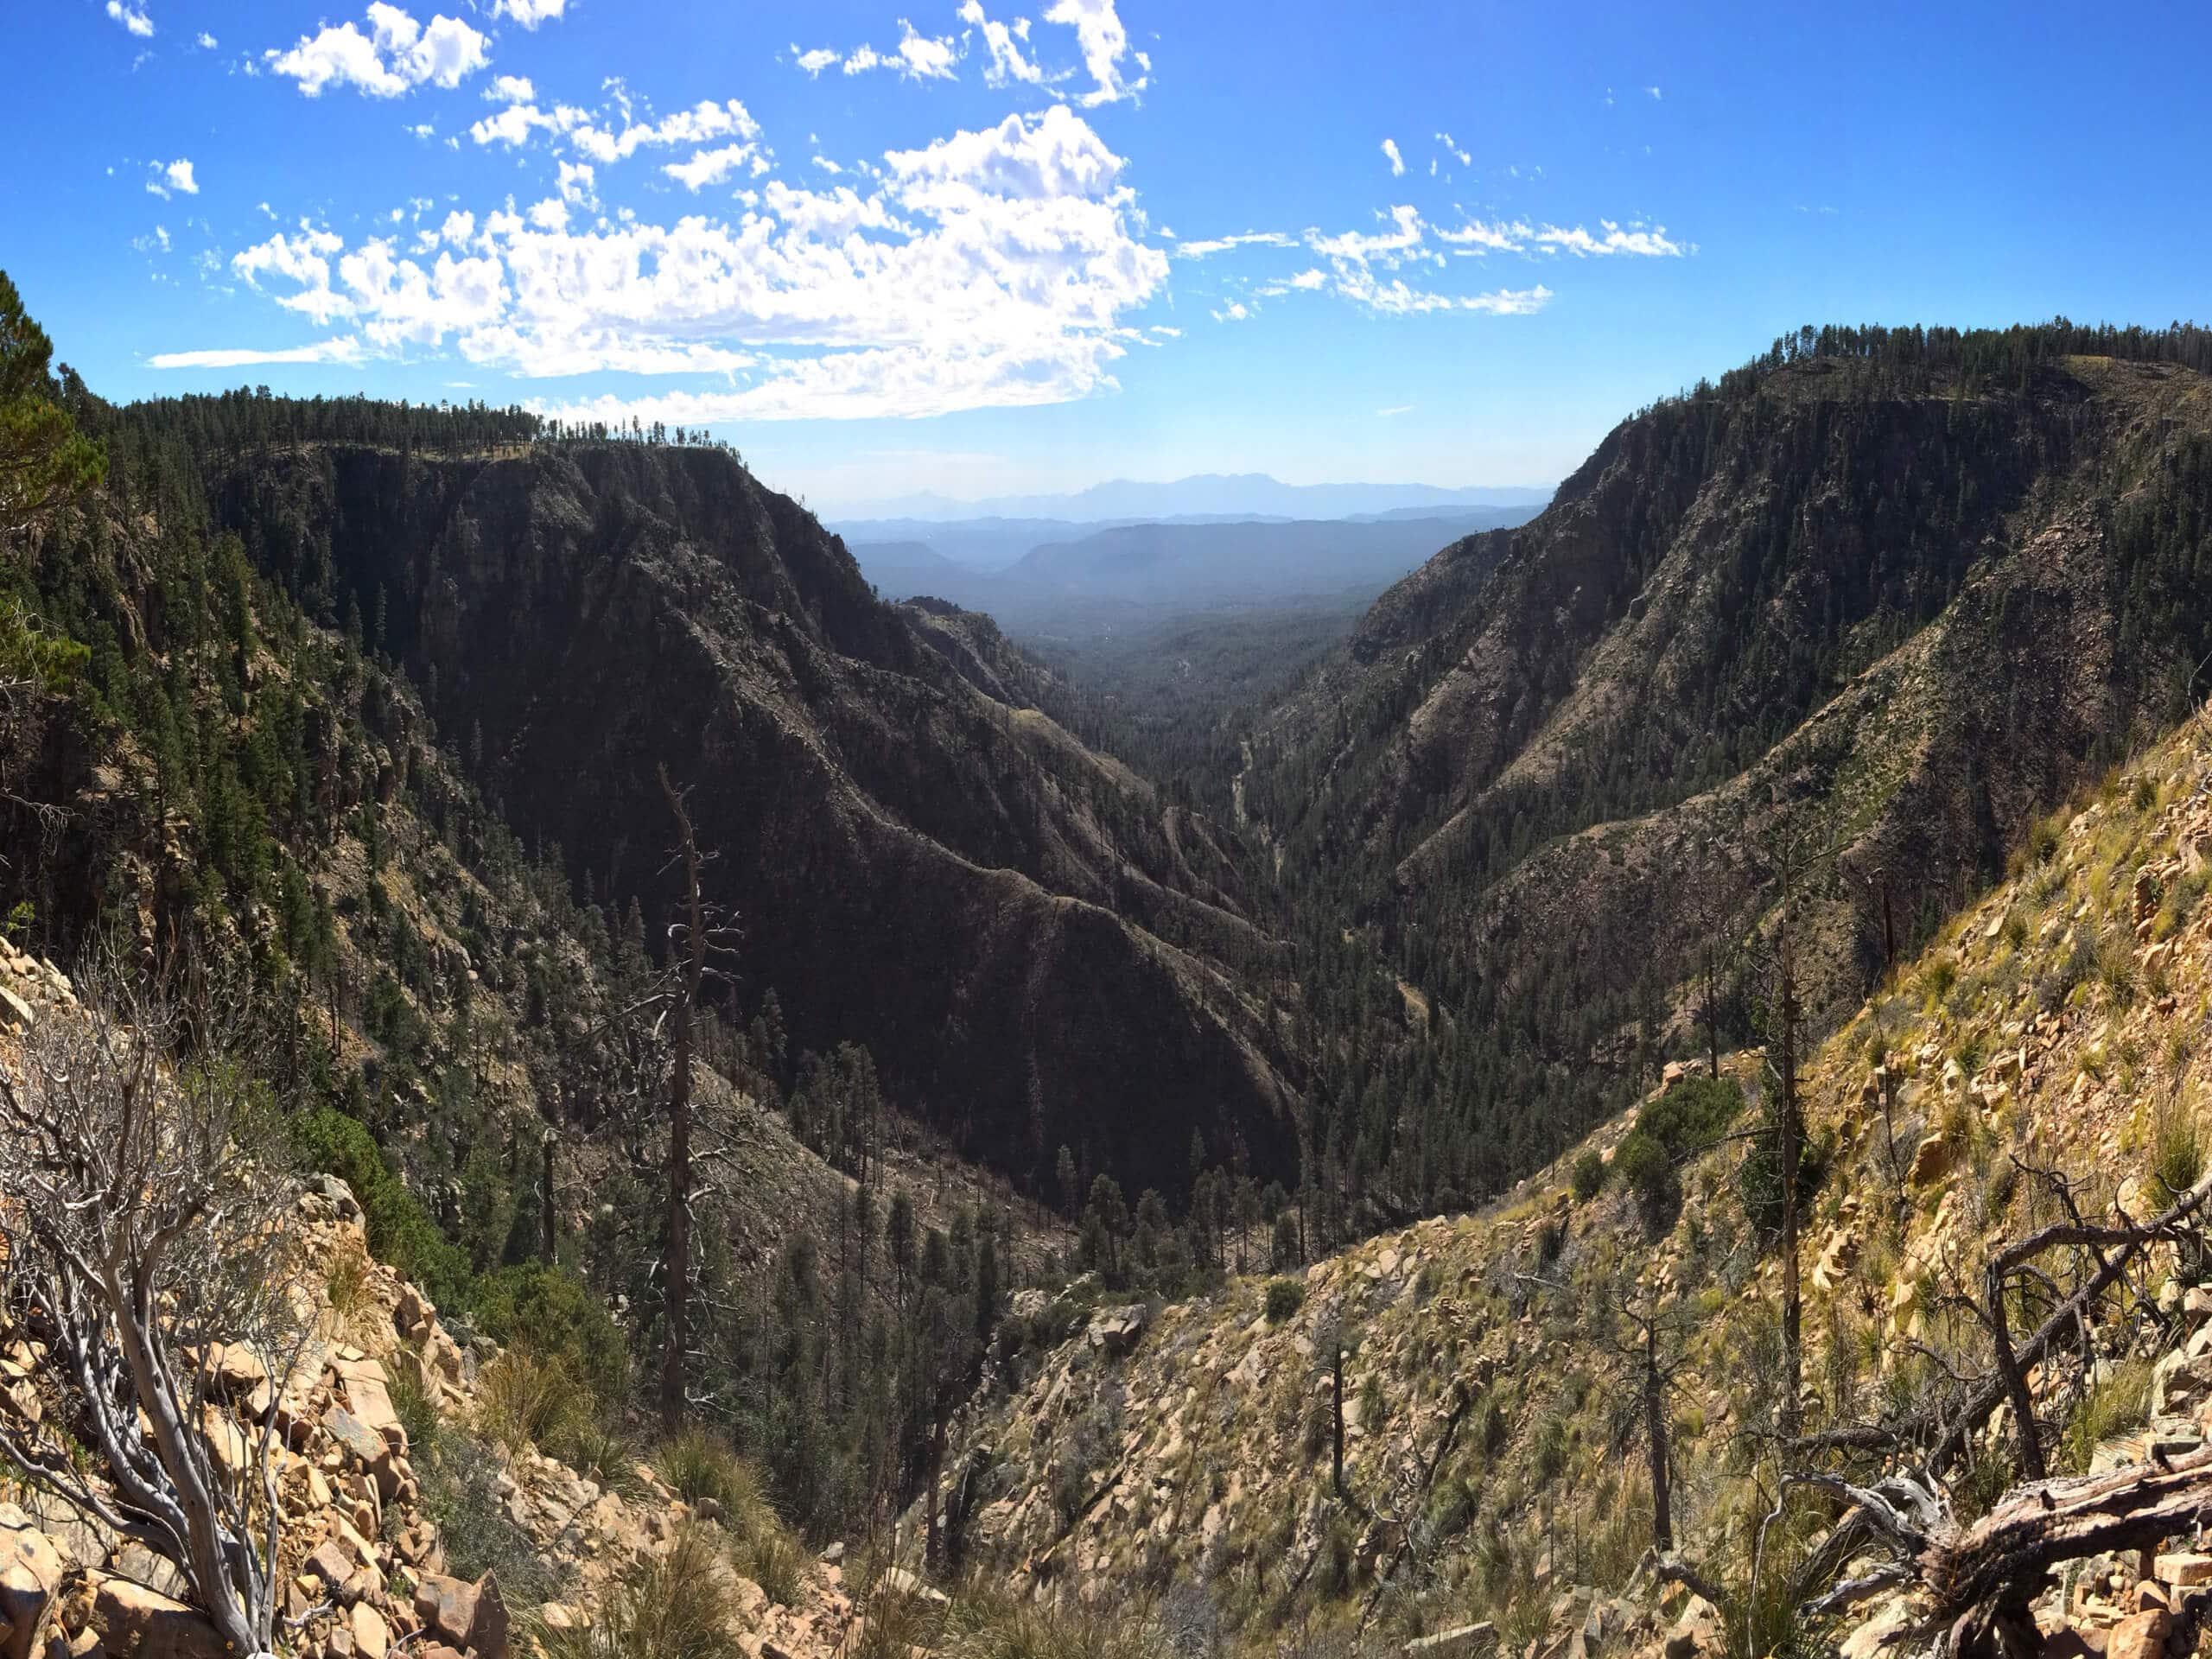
x=1241, y=495
x=1071, y=580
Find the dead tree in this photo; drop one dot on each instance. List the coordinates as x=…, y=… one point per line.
x=1981, y=1580
x=1789, y=1128
x=149, y=1246
x=676, y=1340
x=1645, y=1344
x=1713, y=905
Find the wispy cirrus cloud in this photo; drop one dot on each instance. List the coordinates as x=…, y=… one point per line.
x=1201, y=250
x=1520, y=236
x=328, y=351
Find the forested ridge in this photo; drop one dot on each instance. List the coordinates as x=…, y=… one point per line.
x=1894, y=587
x=243, y=729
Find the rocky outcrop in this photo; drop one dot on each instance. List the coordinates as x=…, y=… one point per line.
x=363, y=1560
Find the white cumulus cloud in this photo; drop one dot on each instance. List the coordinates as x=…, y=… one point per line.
x=991, y=268
x=528, y=13
x=1397, y=162
x=134, y=18
x=396, y=55
x=1104, y=44
x=175, y=176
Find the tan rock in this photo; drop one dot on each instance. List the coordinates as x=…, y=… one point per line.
x=371, y=1635
x=30, y=1573
x=2140, y=1636
x=146, y=1624
x=1932, y=1162
x=2184, y=1569
x=464, y=1615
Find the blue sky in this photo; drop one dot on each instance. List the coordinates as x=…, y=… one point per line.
x=976, y=246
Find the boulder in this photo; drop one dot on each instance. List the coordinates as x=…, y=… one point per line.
x=365, y=1446
x=1115, y=1330
x=146, y=1624
x=2184, y=1569
x=30, y=1573
x=338, y=1195
x=464, y=1615
x=369, y=1398
x=1932, y=1162
x=2140, y=1636
x=371, y=1635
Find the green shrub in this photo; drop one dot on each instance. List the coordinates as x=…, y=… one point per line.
x=2042, y=840
x=401, y=1232
x=600, y=1451
x=1691, y=1115
x=1936, y=980
x=1549, y=1459
x=461, y=1479
x=556, y=1316
x=703, y=1469
x=2116, y=971
x=1589, y=1176
x=1285, y=1298
x=772, y=1559
x=1643, y=1164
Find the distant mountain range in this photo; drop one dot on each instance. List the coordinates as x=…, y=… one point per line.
x=1052, y=576
x=1207, y=495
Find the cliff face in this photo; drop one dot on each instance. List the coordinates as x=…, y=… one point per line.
x=1037, y=951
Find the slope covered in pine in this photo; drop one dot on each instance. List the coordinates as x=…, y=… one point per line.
x=1443, y=1434
x=1882, y=593
x=1037, y=949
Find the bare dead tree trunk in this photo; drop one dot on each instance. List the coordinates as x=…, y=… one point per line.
x=1337, y=1441
x=144, y=1228
x=1712, y=1000
x=549, y=1240
x=1792, y=1132
x=1655, y=1438
x=679, y=1124
x=2015, y=1380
